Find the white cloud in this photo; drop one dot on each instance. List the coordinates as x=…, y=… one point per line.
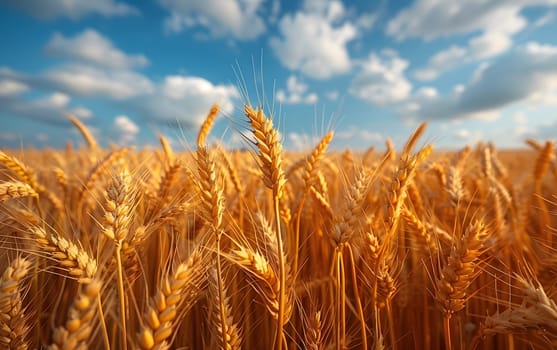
x=299, y=141
x=97, y=69
x=467, y=136
x=125, y=129
x=73, y=9
x=12, y=87
x=490, y=44
x=359, y=134
x=522, y=128
x=495, y=21
x=54, y=108
x=440, y=62
x=82, y=112
x=91, y=47
x=185, y=100
x=176, y=99
x=427, y=92
x=463, y=134
x=296, y=93
x=431, y=19
x=526, y=72
x=125, y=125
x=381, y=79
x=314, y=41
x=89, y=81
x=239, y=18
x=86, y=76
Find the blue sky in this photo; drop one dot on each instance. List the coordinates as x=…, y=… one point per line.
x=483, y=69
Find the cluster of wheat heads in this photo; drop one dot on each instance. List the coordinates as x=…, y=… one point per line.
x=260, y=249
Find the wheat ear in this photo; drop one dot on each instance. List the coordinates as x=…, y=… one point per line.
x=168, y=153
x=266, y=280
x=228, y=334
x=541, y=168
x=314, y=332
x=459, y=272
x=28, y=176
x=21, y=170
x=15, y=189
x=413, y=139
x=310, y=169
x=79, y=324
x=403, y=175
x=416, y=225
x=164, y=191
x=13, y=330
x=207, y=125
x=232, y=171
x=98, y=170
x=91, y=142
x=268, y=142
x=176, y=295
x=536, y=312
x=69, y=256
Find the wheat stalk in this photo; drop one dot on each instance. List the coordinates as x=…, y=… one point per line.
x=118, y=217
x=270, y=157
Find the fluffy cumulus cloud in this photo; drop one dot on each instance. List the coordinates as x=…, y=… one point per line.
x=85, y=72
x=91, y=47
x=524, y=73
x=242, y=19
x=296, y=93
x=185, y=100
x=493, y=24
x=93, y=67
x=90, y=81
x=430, y=19
x=54, y=108
x=381, y=79
x=440, y=62
x=126, y=130
x=73, y=9
x=314, y=40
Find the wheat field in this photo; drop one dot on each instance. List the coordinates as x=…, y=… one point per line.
x=403, y=248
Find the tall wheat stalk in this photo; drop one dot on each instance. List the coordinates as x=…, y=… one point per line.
x=270, y=158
